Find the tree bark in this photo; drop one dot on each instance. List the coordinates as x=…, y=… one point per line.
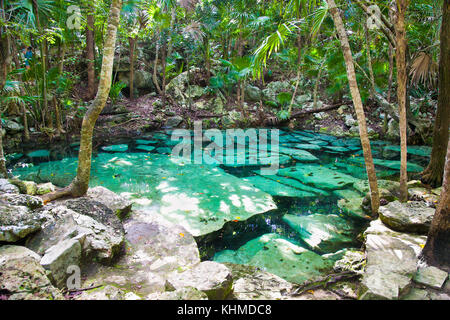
x=80, y=184
x=357, y=102
x=90, y=55
x=131, y=42
x=437, y=247
x=433, y=173
x=400, y=30
x=369, y=61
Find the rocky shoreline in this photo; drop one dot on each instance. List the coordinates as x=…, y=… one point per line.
x=124, y=255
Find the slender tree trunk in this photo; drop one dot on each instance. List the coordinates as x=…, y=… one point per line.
x=90, y=55
x=402, y=79
x=5, y=60
x=357, y=102
x=131, y=42
x=434, y=171
x=437, y=247
x=80, y=184
x=155, y=68
x=163, y=65
x=369, y=61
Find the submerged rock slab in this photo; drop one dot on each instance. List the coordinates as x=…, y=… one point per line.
x=116, y=148
x=318, y=176
x=277, y=189
x=414, y=216
x=296, y=184
x=279, y=256
x=392, y=164
x=324, y=233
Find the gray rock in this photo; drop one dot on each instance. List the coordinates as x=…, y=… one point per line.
x=187, y=293
x=59, y=257
x=173, y=122
x=252, y=93
x=45, y=188
x=431, y=276
x=349, y=121
x=107, y=292
x=119, y=205
x=17, y=222
x=26, y=187
x=22, y=200
x=414, y=216
x=302, y=99
x=210, y=277
x=11, y=126
x=416, y=294
x=98, y=240
x=7, y=187
x=23, y=277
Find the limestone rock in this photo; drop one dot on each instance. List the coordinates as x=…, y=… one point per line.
x=26, y=187
x=185, y=293
x=252, y=283
x=45, y=188
x=107, y=292
x=119, y=205
x=173, y=122
x=323, y=233
x=97, y=239
x=431, y=276
x=23, y=277
x=252, y=93
x=59, y=257
x=7, y=187
x=17, y=222
x=210, y=277
x=22, y=200
x=414, y=216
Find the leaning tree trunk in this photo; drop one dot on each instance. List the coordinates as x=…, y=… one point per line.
x=437, y=247
x=357, y=102
x=369, y=61
x=400, y=31
x=435, y=169
x=90, y=55
x=80, y=184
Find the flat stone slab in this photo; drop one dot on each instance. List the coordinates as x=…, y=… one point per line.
x=277, y=189
x=392, y=164
x=145, y=148
x=431, y=276
x=116, y=148
x=324, y=233
x=414, y=216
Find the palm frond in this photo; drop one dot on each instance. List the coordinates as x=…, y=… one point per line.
x=424, y=70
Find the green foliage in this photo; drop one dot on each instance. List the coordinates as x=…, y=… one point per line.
x=116, y=90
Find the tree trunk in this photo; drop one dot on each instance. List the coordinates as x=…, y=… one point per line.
x=437, y=247
x=90, y=55
x=131, y=41
x=435, y=169
x=402, y=79
x=357, y=102
x=5, y=60
x=155, y=68
x=80, y=184
x=369, y=61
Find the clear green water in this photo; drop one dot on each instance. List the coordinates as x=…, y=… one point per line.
x=222, y=204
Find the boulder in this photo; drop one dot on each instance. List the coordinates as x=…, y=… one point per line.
x=352, y=260
x=252, y=93
x=11, y=126
x=59, y=257
x=210, y=277
x=26, y=187
x=23, y=277
x=17, y=222
x=107, y=292
x=119, y=205
x=7, y=187
x=253, y=283
x=99, y=241
x=413, y=217
x=45, y=188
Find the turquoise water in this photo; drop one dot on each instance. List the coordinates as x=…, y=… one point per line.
x=236, y=214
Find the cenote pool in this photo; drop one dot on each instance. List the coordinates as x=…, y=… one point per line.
x=292, y=224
